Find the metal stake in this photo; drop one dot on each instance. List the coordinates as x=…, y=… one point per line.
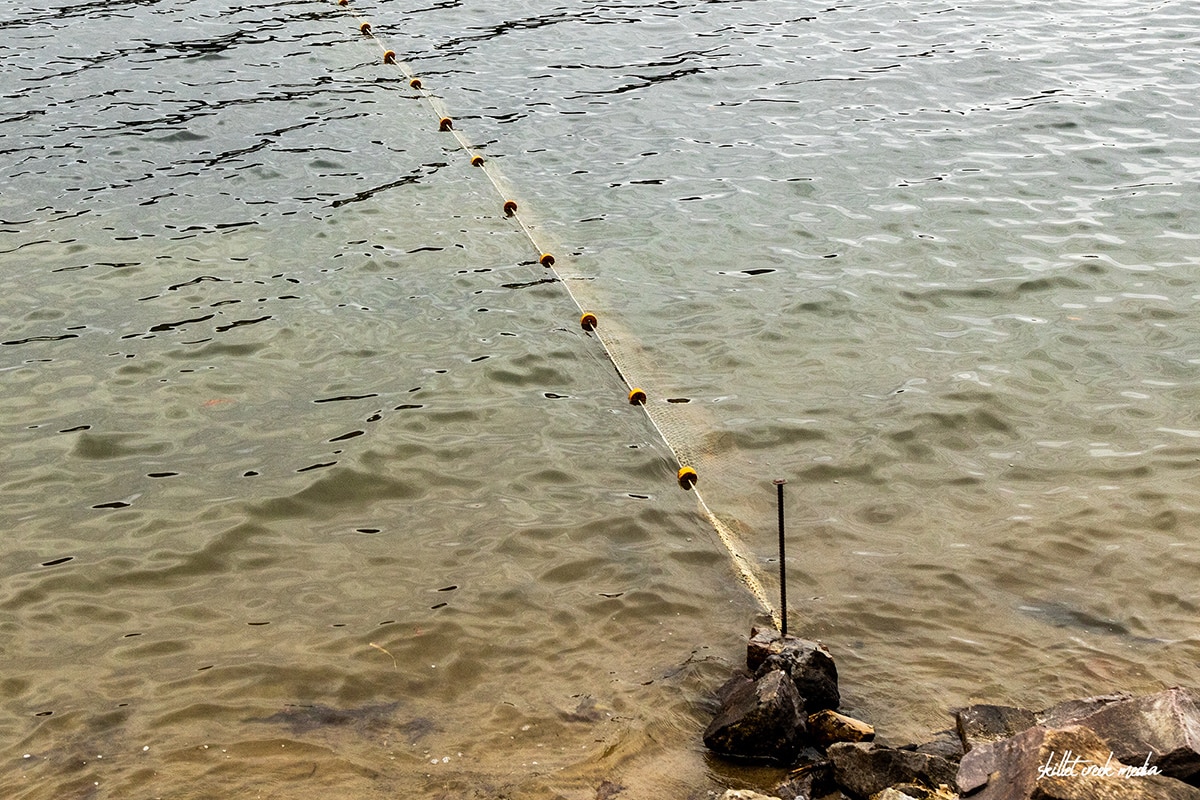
x=779, y=482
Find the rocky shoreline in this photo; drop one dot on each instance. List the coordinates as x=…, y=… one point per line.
x=782, y=709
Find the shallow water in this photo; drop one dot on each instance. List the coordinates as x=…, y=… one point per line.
x=314, y=483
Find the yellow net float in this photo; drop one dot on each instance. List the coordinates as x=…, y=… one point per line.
x=637, y=397
x=546, y=260
x=343, y=2
x=445, y=124
x=477, y=161
x=365, y=28
x=588, y=322
x=415, y=83
x=687, y=477
x=510, y=207
x=389, y=57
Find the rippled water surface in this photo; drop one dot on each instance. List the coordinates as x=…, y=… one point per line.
x=313, y=483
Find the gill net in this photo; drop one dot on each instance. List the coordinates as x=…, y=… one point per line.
x=680, y=424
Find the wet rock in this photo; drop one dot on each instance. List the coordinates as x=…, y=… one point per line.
x=1070, y=763
x=1163, y=727
x=827, y=727
x=864, y=769
x=808, y=663
x=759, y=719
x=983, y=723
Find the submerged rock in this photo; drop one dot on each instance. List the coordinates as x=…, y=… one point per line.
x=759, y=719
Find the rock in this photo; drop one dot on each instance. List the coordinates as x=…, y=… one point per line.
x=809, y=663
x=1012, y=760
x=1071, y=712
x=826, y=727
x=946, y=744
x=810, y=781
x=746, y=794
x=982, y=723
x=910, y=791
x=759, y=719
x=866, y=768
x=1163, y=727
x=892, y=793
x=1070, y=763
x=608, y=790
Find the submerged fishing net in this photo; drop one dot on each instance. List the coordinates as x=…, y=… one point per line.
x=704, y=457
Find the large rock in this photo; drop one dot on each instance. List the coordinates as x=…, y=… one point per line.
x=1070, y=763
x=1163, y=728
x=982, y=723
x=866, y=768
x=1070, y=712
x=808, y=663
x=760, y=718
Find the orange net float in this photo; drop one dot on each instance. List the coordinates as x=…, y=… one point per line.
x=637, y=397
x=546, y=260
x=588, y=322
x=343, y=2
x=365, y=29
x=445, y=124
x=510, y=207
x=389, y=57
x=687, y=478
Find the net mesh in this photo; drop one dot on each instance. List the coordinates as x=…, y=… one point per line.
x=685, y=427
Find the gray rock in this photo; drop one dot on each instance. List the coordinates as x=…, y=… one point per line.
x=983, y=723
x=759, y=719
x=866, y=768
x=808, y=663
x=1071, y=712
x=946, y=744
x=1070, y=763
x=1163, y=727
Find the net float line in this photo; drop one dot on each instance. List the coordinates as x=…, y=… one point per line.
x=605, y=332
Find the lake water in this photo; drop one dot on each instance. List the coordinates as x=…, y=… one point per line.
x=313, y=483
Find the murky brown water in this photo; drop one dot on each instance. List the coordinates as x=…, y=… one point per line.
x=313, y=484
